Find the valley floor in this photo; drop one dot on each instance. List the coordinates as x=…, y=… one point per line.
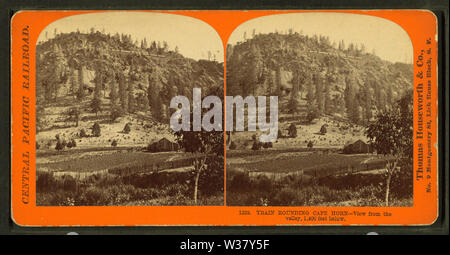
x=119, y=176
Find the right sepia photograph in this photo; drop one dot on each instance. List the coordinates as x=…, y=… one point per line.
x=342, y=87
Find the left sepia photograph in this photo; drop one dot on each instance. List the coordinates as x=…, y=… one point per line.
x=104, y=86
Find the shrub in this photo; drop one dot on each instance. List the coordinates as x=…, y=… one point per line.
x=263, y=183
x=95, y=196
x=145, y=194
x=256, y=145
x=285, y=196
x=312, y=114
x=267, y=145
x=240, y=182
x=116, y=112
x=45, y=182
x=127, y=128
x=69, y=183
x=292, y=131
x=96, y=131
x=232, y=145
x=83, y=133
x=96, y=105
x=60, y=199
x=105, y=180
x=59, y=145
x=280, y=134
x=114, y=143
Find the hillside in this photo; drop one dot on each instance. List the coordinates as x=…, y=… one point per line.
x=312, y=74
x=87, y=78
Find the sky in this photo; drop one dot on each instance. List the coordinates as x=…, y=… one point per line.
x=388, y=40
x=193, y=37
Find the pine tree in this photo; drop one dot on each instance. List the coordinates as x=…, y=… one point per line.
x=123, y=95
x=362, y=48
x=73, y=81
x=96, y=131
x=268, y=81
x=329, y=104
x=131, y=99
x=254, y=71
x=144, y=43
x=293, y=101
x=389, y=96
x=116, y=112
x=156, y=109
x=368, y=101
x=382, y=101
x=113, y=93
x=57, y=72
x=163, y=115
x=328, y=107
x=358, y=114
x=278, y=81
x=80, y=93
x=144, y=104
x=377, y=95
x=116, y=37
x=350, y=97
x=310, y=90
x=96, y=105
x=351, y=48
x=74, y=115
x=98, y=83
x=127, y=128
x=319, y=92
x=292, y=131
x=154, y=98
x=209, y=55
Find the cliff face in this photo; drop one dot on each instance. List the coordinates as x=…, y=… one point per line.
x=314, y=73
x=72, y=61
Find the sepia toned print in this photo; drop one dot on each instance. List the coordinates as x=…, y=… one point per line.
x=345, y=111
x=104, y=82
